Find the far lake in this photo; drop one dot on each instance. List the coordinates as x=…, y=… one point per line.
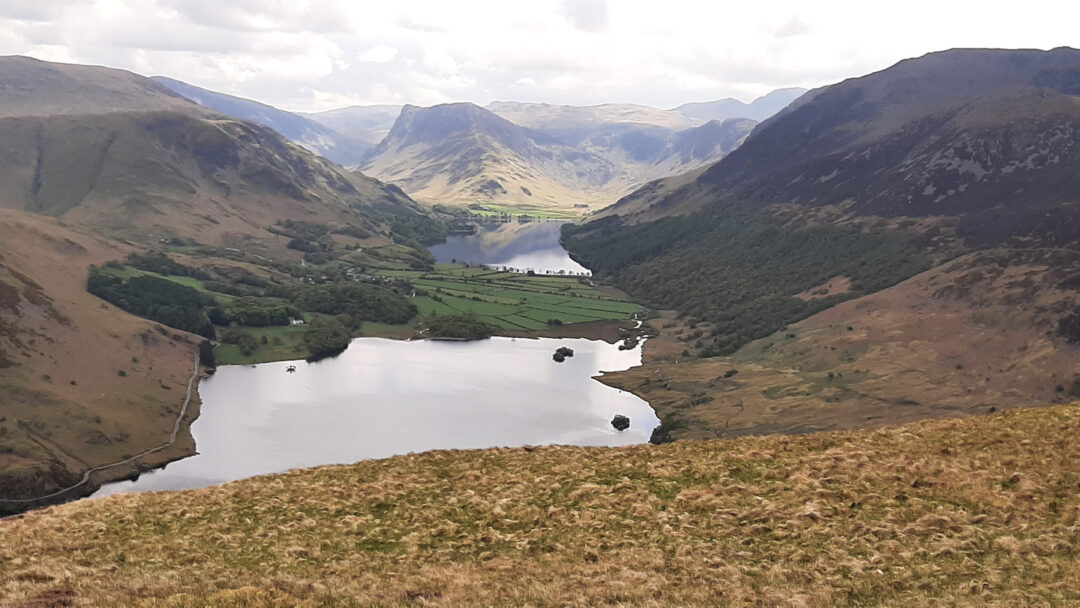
x=530, y=246
x=385, y=397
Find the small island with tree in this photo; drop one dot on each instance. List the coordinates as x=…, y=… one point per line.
x=562, y=353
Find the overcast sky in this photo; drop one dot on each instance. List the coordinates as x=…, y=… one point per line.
x=322, y=54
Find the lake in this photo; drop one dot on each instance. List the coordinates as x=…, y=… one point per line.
x=385, y=397
x=530, y=246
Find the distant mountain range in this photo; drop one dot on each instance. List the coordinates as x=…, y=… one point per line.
x=300, y=129
x=576, y=155
x=462, y=153
x=759, y=109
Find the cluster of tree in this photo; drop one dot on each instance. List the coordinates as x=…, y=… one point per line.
x=296, y=229
x=355, y=303
x=417, y=230
x=354, y=231
x=326, y=337
x=162, y=264
x=741, y=271
x=253, y=312
x=157, y=299
x=461, y=327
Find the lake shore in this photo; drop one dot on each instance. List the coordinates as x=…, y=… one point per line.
x=423, y=395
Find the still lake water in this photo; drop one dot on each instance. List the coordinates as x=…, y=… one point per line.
x=531, y=246
x=385, y=397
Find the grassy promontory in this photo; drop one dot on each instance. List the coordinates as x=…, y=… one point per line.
x=978, y=511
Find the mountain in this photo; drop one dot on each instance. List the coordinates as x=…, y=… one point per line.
x=874, y=182
x=761, y=108
x=461, y=153
x=299, y=129
x=31, y=87
x=980, y=135
x=973, y=512
x=121, y=153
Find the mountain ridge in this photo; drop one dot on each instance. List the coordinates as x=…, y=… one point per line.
x=302, y=130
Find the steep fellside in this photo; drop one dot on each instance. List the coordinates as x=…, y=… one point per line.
x=120, y=153
x=976, y=512
x=82, y=383
x=983, y=134
x=299, y=129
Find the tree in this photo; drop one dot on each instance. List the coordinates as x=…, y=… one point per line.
x=206, y=354
x=326, y=337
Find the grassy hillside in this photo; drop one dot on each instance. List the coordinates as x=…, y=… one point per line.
x=976, y=512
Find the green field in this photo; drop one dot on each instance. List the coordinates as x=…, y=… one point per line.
x=283, y=342
x=511, y=301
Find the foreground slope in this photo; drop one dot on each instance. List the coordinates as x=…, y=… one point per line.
x=981, y=512
x=82, y=383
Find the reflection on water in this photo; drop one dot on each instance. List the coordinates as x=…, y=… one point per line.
x=385, y=397
x=531, y=246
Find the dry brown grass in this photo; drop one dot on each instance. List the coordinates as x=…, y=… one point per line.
x=980, y=511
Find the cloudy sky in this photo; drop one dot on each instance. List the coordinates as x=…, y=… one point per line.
x=321, y=54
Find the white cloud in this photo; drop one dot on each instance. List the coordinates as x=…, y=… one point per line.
x=304, y=54
x=381, y=53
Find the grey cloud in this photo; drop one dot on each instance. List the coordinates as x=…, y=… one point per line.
x=30, y=10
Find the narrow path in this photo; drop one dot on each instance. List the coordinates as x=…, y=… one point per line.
x=91, y=471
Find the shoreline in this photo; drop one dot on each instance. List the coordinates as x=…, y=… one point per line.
x=607, y=331
x=182, y=445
